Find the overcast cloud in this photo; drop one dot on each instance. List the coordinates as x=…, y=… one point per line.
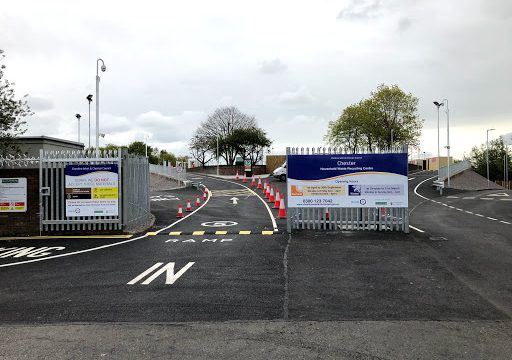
x=293, y=65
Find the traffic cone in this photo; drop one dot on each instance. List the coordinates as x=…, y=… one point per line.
x=253, y=181
x=189, y=207
x=180, y=211
x=198, y=202
x=205, y=195
x=259, y=183
x=271, y=197
x=245, y=178
x=278, y=200
x=267, y=192
x=264, y=186
x=282, y=209
x=237, y=177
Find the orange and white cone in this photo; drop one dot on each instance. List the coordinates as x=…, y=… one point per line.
x=271, y=197
x=282, y=209
x=245, y=178
x=259, y=183
x=253, y=181
x=237, y=177
x=189, y=206
x=267, y=192
x=180, y=211
x=205, y=194
x=264, y=186
x=277, y=203
x=198, y=202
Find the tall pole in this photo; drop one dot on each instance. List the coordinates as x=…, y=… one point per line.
x=392, y=139
x=103, y=68
x=448, y=137
x=487, y=155
x=89, y=99
x=438, y=146
x=78, y=118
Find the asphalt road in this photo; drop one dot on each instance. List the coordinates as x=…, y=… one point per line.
x=446, y=286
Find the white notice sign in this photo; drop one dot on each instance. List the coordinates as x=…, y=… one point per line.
x=13, y=194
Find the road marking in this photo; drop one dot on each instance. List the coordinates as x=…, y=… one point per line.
x=505, y=222
x=151, y=233
x=469, y=212
x=170, y=277
x=459, y=209
x=498, y=194
x=452, y=197
x=267, y=232
x=29, y=252
x=245, y=232
x=451, y=207
x=219, y=223
x=493, y=219
x=486, y=199
x=506, y=199
x=175, y=233
x=469, y=198
x=235, y=200
x=232, y=192
x=221, y=232
x=415, y=228
x=411, y=179
x=479, y=215
x=198, y=233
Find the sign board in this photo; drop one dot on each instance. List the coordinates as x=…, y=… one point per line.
x=13, y=195
x=247, y=165
x=92, y=190
x=348, y=180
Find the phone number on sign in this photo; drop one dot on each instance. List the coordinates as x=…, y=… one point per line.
x=317, y=201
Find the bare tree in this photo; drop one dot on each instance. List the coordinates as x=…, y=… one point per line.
x=201, y=150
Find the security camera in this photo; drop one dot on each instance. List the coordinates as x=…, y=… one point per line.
x=89, y=97
x=78, y=116
x=103, y=68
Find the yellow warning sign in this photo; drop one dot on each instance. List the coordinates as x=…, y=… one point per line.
x=104, y=193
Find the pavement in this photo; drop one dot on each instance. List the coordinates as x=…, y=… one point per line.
x=442, y=291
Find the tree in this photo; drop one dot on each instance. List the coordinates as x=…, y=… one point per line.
x=249, y=143
x=201, y=149
x=497, y=151
x=219, y=125
x=370, y=122
x=139, y=148
x=12, y=114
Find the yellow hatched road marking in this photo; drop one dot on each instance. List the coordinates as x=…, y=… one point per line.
x=221, y=232
x=175, y=233
x=267, y=232
x=198, y=233
x=151, y=233
x=245, y=232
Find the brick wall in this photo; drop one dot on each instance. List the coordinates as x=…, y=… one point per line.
x=22, y=223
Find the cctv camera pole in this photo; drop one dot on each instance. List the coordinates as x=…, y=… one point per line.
x=89, y=99
x=103, y=68
x=78, y=118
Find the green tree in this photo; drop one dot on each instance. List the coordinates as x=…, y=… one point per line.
x=497, y=151
x=370, y=122
x=249, y=143
x=12, y=114
x=139, y=148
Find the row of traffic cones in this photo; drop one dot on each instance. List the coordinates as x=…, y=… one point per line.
x=189, y=205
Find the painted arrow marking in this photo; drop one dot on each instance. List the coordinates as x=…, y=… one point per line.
x=235, y=200
x=170, y=278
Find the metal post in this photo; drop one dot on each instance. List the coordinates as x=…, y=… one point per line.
x=217, y=155
x=448, y=137
x=487, y=156
x=438, y=146
x=103, y=68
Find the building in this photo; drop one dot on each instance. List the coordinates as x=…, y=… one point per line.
x=432, y=163
x=30, y=145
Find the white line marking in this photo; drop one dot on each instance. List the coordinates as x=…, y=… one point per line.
x=411, y=179
x=469, y=198
x=274, y=224
x=415, y=228
x=490, y=218
x=452, y=197
x=479, y=215
x=459, y=209
x=486, y=199
x=417, y=186
x=504, y=222
x=469, y=212
x=451, y=207
x=506, y=199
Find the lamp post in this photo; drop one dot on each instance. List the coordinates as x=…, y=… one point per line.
x=89, y=99
x=392, y=139
x=78, y=116
x=438, y=148
x=448, y=137
x=487, y=155
x=146, y=143
x=103, y=68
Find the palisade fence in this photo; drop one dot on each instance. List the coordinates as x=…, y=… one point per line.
x=353, y=218
x=133, y=189
x=454, y=169
x=178, y=172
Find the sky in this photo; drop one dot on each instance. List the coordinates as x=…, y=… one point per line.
x=294, y=65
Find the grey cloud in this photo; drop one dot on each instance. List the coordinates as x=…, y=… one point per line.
x=404, y=24
x=301, y=96
x=272, y=66
x=39, y=104
x=360, y=10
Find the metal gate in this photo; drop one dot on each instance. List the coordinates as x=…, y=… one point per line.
x=342, y=218
x=52, y=199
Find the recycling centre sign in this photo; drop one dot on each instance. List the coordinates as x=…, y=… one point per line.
x=348, y=180
x=92, y=190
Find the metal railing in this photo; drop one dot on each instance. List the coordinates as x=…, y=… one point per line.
x=342, y=218
x=454, y=169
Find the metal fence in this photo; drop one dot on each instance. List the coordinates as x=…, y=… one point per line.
x=179, y=172
x=353, y=218
x=454, y=169
x=133, y=191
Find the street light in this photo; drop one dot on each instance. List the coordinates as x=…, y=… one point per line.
x=78, y=116
x=448, y=136
x=103, y=68
x=89, y=98
x=438, y=149
x=392, y=139
x=487, y=153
